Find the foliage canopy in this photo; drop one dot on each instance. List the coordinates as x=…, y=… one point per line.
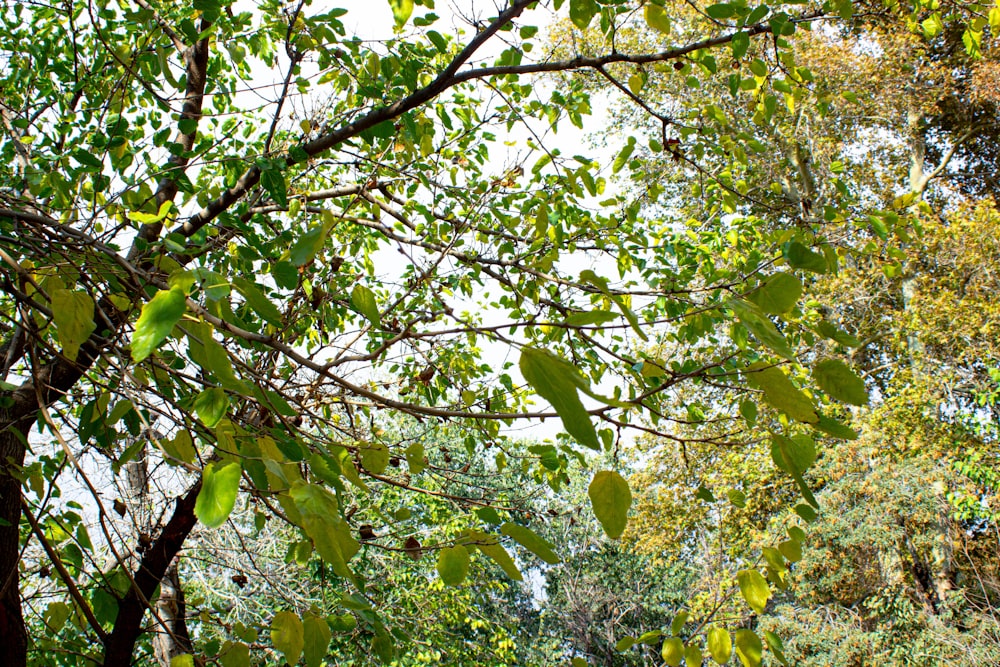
x=323, y=300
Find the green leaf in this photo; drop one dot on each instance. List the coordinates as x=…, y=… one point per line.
x=720, y=644
x=374, y=457
x=184, y=660
x=748, y=648
x=273, y=181
x=305, y=248
x=692, y=655
x=761, y=327
x=831, y=426
x=828, y=330
x=259, y=303
x=791, y=550
x=156, y=321
x=806, y=512
x=741, y=42
x=657, y=18
x=776, y=647
x=180, y=448
x=754, y=588
x=782, y=393
x=415, y=458
x=839, y=381
x=581, y=12
x=331, y=535
x=557, y=382
x=611, y=499
x=316, y=639
x=600, y=283
x=211, y=406
x=677, y=624
x=490, y=546
x=286, y=276
x=73, y=315
x=672, y=651
x=363, y=300
x=778, y=294
x=453, y=564
x=287, y=635
x=219, y=485
x=793, y=455
x=89, y=161
x=722, y=10
x=799, y=256
x=234, y=654
x=530, y=540
x=583, y=319
x=401, y=11
x=624, y=644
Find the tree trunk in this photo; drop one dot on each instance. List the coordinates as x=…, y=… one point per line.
x=148, y=575
x=173, y=639
x=15, y=636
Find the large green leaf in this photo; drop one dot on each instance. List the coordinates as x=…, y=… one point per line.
x=782, y=393
x=220, y=482
x=581, y=12
x=401, y=11
x=720, y=644
x=234, y=654
x=490, y=546
x=762, y=328
x=453, y=564
x=288, y=635
x=779, y=293
x=211, y=405
x=156, y=321
x=319, y=512
x=754, y=588
x=749, y=648
x=557, y=381
x=305, y=248
x=838, y=380
x=799, y=256
x=257, y=301
x=611, y=499
x=374, y=457
x=73, y=315
x=672, y=651
x=363, y=300
x=657, y=18
x=316, y=639
x=531, y=541
x=793, y=455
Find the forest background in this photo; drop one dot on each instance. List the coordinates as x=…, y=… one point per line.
x=271, y=352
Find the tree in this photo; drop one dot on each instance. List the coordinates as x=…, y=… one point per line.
x=230, y=300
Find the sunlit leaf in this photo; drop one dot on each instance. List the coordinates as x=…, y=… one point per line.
x=220, y=483
x=838, y=380
x=754, y=589
x=530, y=540
x=453, y=564
x=156, y=321
x=557, y=382
x=73, y=315
x=288, y=635
x=611, y=499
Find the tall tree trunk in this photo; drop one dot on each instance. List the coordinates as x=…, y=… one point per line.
x=12, y=629
x=942, y=556
x=173, y=639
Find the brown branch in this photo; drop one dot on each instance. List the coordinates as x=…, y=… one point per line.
x=128, y=624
